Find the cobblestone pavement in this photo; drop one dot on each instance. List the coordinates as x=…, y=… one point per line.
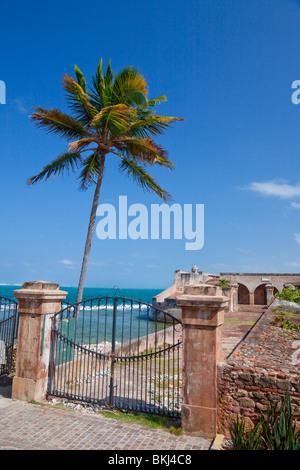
x=28, y=426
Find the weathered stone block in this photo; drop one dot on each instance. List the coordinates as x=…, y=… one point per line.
x=246, y=402
x=246, y=377
x=262, y=407
x=284, y=384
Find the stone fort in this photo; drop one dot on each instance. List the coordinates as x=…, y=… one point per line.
x=244, y=288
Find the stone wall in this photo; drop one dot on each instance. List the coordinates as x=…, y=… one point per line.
x=261, y=370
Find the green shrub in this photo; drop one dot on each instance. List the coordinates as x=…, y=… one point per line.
x=285, y=324
x=289, y=294
x=223, y=283
x=272, y=432
x=241, y=440
x=279, y=432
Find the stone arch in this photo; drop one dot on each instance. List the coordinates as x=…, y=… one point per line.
x=260, y=295
x=243, y=294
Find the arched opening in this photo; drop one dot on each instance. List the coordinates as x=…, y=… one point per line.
x=260, y=295
x=275, y=291
x=243, y=295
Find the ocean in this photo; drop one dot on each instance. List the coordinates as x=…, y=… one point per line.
x=95, y=324
x=145, y=295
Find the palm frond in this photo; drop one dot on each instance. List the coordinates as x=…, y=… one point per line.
x=154, y=101
x=108, y=80
x=80, y=78
x=68, y=161
x=57, y=122
x=90, y=169
x=79, y=101
x=142, y=178
x=145, y=150
x=129, y=87
x=108, y=75
x=82, y=144
x=97, y=92
x=115, y=119
x=149, y=124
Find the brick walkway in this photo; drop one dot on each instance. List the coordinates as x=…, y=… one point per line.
x=27, y=426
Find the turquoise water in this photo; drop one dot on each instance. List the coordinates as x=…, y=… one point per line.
x=95, y=324
x=145, y=295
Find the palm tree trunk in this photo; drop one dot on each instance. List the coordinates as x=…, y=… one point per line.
x=90, y=232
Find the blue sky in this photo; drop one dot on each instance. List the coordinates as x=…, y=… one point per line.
x=226, y=67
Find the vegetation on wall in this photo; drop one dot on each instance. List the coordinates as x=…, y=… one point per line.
x=223, y=283
x=273, y=432
x=291, y=295
x=285, y=324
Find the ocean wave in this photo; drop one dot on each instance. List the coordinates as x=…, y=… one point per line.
x=109, y=307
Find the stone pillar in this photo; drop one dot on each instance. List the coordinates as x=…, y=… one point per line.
x=235, y=290
x=251, y=298
x=202, y=317
x=38, y=302
x=269, y=293
x=227, y=292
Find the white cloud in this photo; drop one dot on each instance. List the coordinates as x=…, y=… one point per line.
x=296, y=205
x=293, y=264
x=297, y=237
x=67, y=263
x=247, y=252
x=97, y=263
x=19, y=106
x=272, y=188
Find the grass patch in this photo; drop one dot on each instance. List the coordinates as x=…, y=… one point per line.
x=150, y=421
x=286, y=319
x=286, y=313
x=164, y=423
x=59, y=405
x=228, y=321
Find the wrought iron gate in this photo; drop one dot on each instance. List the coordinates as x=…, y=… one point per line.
x=117, y=352
x=8, y=333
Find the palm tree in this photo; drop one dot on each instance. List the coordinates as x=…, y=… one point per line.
x=113, y=117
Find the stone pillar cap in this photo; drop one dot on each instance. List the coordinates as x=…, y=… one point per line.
x=212, y=300
x=203, y=294
x=38, y=285
x=203, y=289
x=42, y=289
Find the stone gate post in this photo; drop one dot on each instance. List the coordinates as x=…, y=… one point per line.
x=202, y=317
x=38, y=302
x=269, y=293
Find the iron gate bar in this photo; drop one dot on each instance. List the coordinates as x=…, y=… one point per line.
x=112, y=355
x=8, y=332
x=139, y=374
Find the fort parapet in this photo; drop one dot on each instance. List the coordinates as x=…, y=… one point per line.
x=244, y=288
